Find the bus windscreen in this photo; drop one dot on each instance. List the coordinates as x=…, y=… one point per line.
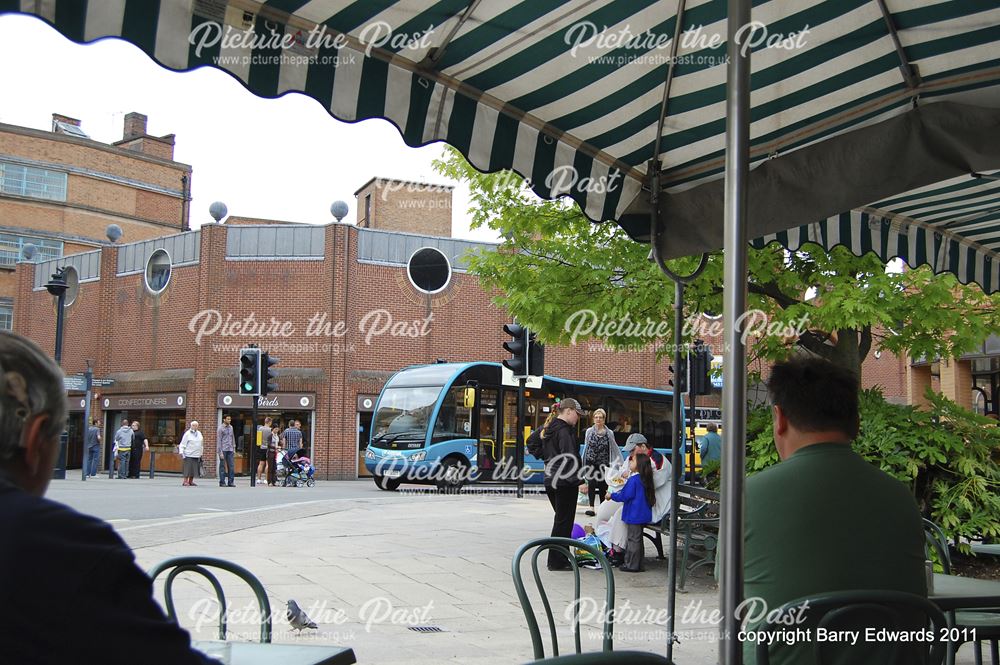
x=402, y=416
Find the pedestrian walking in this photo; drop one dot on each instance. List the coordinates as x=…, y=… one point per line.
x=263, y=437
x=139, y=444
x=226, y=442
x=191, y=448
x=92, y=447
x=123, y=447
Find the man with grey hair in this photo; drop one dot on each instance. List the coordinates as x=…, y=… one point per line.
x=65, y=577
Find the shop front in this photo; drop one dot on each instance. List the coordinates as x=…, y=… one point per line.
x=75, y=428
x=281, y=408
x=162, y=418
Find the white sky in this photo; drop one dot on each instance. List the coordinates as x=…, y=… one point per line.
x=281, y=158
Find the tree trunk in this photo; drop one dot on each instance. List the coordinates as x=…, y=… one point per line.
x=847, y=353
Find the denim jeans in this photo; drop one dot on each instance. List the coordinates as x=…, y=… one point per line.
x=123, y=457
x=91, y=462
x=227, y=467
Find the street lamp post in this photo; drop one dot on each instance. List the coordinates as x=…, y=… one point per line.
x=57, y=286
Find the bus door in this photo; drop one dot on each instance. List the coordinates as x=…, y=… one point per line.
x=489, y=450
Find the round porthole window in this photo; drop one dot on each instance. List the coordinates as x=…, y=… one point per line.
x=72, y=278
x=158, y=271
x=429, y=270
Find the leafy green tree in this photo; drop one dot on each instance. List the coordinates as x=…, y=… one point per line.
x=555, y=266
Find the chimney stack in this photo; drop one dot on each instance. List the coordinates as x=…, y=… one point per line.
x=135, y=126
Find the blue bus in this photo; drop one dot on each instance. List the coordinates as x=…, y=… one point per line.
x=447, y=424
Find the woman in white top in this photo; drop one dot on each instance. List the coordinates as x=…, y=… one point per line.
x=191, y=448
x=600, y=451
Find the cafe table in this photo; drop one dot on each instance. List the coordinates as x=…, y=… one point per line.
x=950, y=591
x=257, y=653
x=986, y=548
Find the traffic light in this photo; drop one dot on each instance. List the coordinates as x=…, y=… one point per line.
x=679, y=379
x=536, y=356
x=268, y=375
x=701, y=369
x=250, y=371
x=517, y=346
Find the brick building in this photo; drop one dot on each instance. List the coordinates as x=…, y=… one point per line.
x=59, y=191
x=342, y=306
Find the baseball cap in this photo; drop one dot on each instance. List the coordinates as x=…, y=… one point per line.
x=570, y=403
x=633, y=441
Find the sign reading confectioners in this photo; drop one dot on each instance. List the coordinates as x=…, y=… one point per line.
x=156, y=401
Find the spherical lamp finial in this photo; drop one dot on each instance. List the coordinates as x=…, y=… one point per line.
x=113, y=232
x=339, y=210
x=218, y=211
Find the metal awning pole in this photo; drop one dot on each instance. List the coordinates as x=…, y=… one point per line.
x=734, y=354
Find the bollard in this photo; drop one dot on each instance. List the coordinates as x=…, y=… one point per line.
x=152, y=464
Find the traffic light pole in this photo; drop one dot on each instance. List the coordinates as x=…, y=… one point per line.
x=253, y=443
x=519, y=451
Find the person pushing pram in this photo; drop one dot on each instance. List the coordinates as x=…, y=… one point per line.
x=298, y=468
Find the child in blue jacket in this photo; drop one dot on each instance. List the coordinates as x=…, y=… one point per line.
x=638, y=495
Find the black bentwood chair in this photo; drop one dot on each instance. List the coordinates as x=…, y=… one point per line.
x=970, y=626
x=198, y=564
x=608, y=658
x=860, y=610
x=564, y=545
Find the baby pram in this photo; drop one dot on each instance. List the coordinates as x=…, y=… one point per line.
x=296, y=471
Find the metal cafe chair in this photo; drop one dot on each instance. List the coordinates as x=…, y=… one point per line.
x=563, y=545
x=843, y=610
x=608, y=658
x=984, y=624
x=200, y=565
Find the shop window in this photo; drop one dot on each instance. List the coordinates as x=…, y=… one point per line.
x=158, y=271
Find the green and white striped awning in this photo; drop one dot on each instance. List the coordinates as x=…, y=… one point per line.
x=866, y=125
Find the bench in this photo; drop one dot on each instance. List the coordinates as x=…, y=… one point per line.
x=697, y=528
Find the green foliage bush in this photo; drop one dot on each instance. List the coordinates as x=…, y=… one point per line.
x=944, y=453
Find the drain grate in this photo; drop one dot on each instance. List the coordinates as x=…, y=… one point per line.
x=426, y=629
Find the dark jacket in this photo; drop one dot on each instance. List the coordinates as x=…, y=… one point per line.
x=66, y=579
x=562, y=455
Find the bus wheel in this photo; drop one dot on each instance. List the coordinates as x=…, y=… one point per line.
x=452, y=472
x=392, y=484
x=379, y=482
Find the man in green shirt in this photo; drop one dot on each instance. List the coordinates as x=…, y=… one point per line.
x=824, y=519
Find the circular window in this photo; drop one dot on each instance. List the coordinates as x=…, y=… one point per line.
x=72, y=278
x=429, y=270
x=158, y=271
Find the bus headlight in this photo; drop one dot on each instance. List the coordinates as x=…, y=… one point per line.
x=369, y=455
x=419, y=457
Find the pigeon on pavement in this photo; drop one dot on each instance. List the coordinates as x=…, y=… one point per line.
x=297, y=618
